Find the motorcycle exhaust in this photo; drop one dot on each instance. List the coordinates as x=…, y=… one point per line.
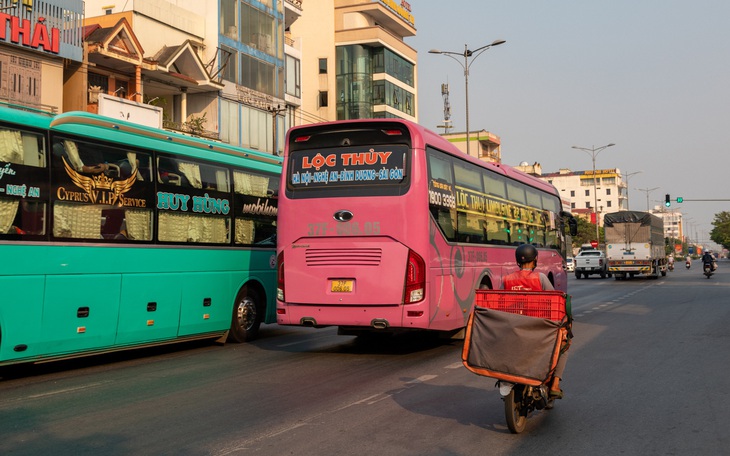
x=505, y=388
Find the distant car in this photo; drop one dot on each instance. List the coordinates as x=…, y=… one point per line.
x=569, y=264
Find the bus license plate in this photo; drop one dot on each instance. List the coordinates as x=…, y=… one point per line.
x=341, y=286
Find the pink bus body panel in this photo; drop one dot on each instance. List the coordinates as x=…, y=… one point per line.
x=318, y=249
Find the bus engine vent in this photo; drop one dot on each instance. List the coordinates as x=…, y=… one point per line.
x=339, y=257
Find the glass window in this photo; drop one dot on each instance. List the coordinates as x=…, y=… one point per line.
x=323, y=99
x=256, y=208
x=258, y=75
x=293, y=76
x=230, y=122
x=322, y=66
x=229, y=19
x=22, y=170
x=258, y=29
x=229, y=58
x=442, y=199
x=187, y=173
x=193, y=228
x=516, y=192
x=101, y=192
x=468, y=176
x=533, y=197
x=193, y=200
x=494, y=184
x=551, y=203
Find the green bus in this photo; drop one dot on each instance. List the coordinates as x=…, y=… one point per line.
x=115, y=235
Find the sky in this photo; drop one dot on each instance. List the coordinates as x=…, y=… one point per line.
x=651, y=76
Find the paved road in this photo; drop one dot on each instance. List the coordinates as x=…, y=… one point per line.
x=648, y=374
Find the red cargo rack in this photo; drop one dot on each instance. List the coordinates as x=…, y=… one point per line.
x=552, y=305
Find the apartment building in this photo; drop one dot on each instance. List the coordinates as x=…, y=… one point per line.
x=355, y=62
x=577, y=187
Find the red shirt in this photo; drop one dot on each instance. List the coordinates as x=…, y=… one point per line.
x=523, y=280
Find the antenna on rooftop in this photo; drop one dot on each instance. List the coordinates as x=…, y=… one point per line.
x=447, y=108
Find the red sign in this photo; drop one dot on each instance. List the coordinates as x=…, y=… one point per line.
x=594, y=244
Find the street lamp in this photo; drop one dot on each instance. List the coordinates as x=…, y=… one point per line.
x=593, y=152
x=647, y=191
x=466, y=54
x=627, y=176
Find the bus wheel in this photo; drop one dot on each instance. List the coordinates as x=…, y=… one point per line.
x=248, y=313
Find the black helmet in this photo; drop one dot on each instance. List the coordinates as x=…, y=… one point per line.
x=525, y=254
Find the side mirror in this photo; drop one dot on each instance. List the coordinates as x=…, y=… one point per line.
x=573, y=226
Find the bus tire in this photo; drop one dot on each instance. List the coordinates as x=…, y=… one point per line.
x=248, y=313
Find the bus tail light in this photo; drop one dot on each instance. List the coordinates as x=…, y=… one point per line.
x=415, y=289
x=280, y=276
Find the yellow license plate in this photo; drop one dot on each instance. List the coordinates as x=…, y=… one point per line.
x=341, y=286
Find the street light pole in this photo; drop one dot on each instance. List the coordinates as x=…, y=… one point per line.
x=647, y=191
x=593, y=152
x=466, y=54
x=627, y=176
x=275, y=111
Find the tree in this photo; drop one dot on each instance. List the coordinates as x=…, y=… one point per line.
x=721, y=231
x=586, y=233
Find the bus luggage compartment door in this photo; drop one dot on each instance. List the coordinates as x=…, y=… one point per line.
x=345, y=271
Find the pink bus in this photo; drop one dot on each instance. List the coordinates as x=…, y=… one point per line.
x=385, y=226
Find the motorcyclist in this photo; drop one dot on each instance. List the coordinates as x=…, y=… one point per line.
x=688, y=262
x=527, y=279
x=671, y=262
x=708, y=258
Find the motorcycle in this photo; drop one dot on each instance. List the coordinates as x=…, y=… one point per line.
x=520, y=400
x=526, y=333
x=688, y=264
x=671, y=266
x=707, y=269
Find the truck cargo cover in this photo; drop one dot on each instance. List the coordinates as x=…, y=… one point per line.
x=627, y=217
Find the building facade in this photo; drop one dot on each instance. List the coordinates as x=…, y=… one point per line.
x=483, y=145
x=673, y=223
x=216, y=67
x=577, y=187
x=38, y=40
x=242, y=71
x=355, y=62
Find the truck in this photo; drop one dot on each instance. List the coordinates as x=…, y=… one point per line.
x=635, y=244
x=591, y=261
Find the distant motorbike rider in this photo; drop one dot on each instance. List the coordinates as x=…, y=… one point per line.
x=708, y=258
x=688, y=262
x=527, y=279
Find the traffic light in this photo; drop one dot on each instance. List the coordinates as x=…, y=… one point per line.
x=680, y=199
x=667, y=200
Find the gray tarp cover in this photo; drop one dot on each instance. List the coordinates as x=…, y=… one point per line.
x=627, y=217
x=513, y=344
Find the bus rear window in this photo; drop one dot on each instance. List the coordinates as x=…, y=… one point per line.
x=348, y=171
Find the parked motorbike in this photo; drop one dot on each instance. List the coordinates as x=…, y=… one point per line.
x=707, y=269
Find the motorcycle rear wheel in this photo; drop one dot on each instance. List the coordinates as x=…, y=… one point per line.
x=513, y=406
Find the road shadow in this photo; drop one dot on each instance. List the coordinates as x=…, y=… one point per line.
x=24, y=370
x=466, y=405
